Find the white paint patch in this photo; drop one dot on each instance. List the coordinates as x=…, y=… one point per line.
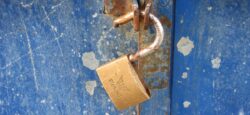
x=89, y=60
x=210, y=40
x=43, y=101
x=213, y=84
x=1, y=102
x=106, y=113
x=216, y=63
x=185, y=45
x=241, y=112
x=184, y=75
x=209, y=8
x=235, y=90
x=73, y=70
x=187, y=68
x=186, y=104
x=182, y=20
x=90, y=87
x=179, y=81
x=94, y=15
x=84, y=112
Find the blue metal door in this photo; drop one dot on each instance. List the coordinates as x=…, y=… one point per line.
x=211, y=58
x=49, y=51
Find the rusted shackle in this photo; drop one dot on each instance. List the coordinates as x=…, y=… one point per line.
x=158, y=38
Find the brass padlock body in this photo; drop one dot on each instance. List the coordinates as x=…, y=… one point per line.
x=122, y=83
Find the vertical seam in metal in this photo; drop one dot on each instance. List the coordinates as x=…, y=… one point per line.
x=172, y=54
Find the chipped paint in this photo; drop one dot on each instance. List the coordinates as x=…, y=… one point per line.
x=94, y=15
x=182, y=20
x=209, y=8
x=241, y=112
x=216, y=63
x=186, y=104
x=43, y=101
x=1, y=102
x=90, y=87
x=184, y=75
x=89, y=60
x=185, y=45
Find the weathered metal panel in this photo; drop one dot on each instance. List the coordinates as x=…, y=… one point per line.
x=49, y=51
x=211, y=58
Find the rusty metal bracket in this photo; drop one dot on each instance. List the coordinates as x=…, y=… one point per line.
x=117, y=8
x=136, y=18
x=146, y=17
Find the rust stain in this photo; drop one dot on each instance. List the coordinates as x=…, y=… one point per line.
x=166, y=21
x=117, y=8
x=157, y=83
x=159, y=61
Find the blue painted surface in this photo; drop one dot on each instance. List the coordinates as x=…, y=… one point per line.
x=41, y=48
x=219, y=30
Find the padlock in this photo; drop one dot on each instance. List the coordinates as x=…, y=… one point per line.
x=119, y=78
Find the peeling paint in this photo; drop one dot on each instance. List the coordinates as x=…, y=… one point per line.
x=184, y=75
x=89, y=60
x=216, y=63
x=90, y=87
x=185, y=45
x=186, y=104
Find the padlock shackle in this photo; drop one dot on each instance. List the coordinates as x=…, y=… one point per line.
x=158, y=38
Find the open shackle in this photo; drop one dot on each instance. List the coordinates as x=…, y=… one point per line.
x=158, y=38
